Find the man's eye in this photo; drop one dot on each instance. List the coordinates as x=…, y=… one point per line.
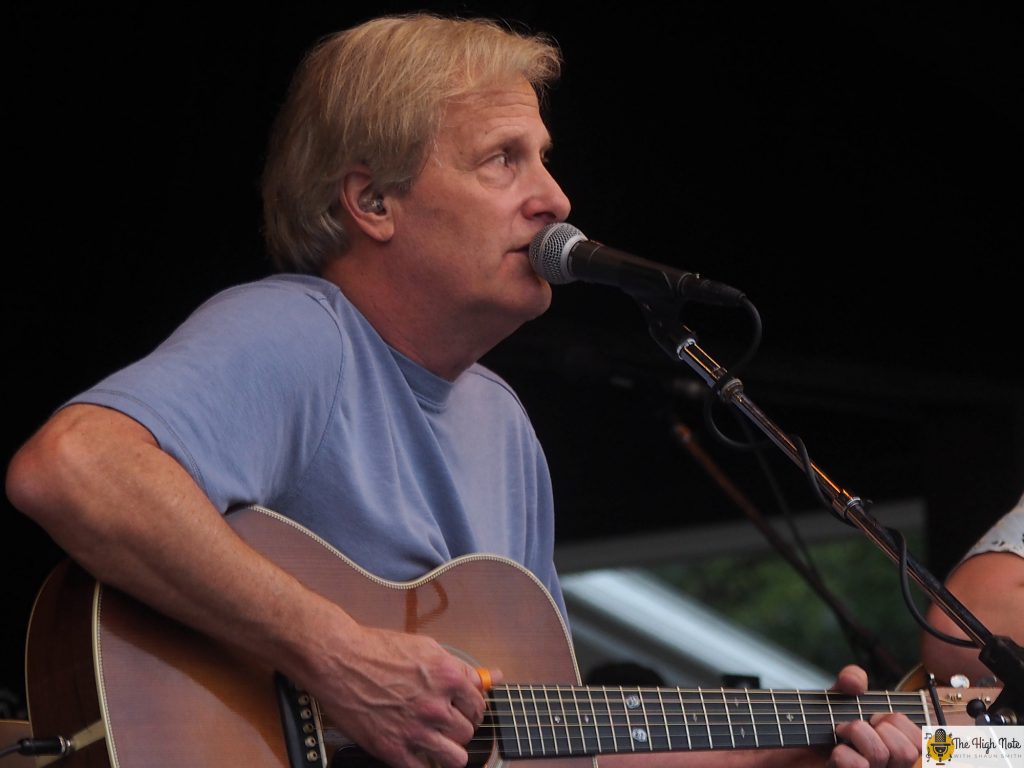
x=502, y=158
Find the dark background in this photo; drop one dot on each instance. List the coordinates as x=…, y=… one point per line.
x=855, y=168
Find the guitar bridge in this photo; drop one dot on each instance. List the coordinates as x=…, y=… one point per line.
x=301, y=724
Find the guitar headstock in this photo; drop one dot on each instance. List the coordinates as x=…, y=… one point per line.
x=954, y=699
x=954, y=702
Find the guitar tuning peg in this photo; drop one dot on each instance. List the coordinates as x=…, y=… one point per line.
x=976, y=708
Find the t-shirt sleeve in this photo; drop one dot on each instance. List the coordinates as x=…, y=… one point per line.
x=1007, y=535
x=241, y=393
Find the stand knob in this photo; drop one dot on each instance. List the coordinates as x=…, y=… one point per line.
x=976, y=709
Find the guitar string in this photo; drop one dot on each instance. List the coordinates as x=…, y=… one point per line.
x=582, y=738
x=714, y=692
x=882, y=702
x=542, y=721
x=677, y=716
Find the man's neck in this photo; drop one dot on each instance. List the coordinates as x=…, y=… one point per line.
x=408, y=322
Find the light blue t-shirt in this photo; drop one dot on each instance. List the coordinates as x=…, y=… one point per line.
x=280, y=393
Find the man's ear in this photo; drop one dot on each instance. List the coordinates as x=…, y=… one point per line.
x=365, y=205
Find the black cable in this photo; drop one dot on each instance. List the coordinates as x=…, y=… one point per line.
x=714, y=393
x=908, y=598
x=755, y=342
x=808, y=467
x=9, y=750
x=780, y=499
x=57, y=745
x=859, y=643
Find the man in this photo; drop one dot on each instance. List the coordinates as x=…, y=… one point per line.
x=405, y=179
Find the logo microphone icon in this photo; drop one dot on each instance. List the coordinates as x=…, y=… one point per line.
x=939, y=746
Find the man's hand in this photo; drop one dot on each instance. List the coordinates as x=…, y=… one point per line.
x=404, y=698
x=887, y=740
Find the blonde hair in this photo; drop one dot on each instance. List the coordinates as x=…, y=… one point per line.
x=375, y=94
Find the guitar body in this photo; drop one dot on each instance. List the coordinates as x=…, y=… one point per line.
x=158, y=694
x=132, y=688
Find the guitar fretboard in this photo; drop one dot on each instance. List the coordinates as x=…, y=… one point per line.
x=545, y=721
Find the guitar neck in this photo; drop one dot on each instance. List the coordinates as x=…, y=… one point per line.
x=547, y=721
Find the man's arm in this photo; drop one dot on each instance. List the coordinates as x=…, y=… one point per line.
x=99, y=484
x=991, y=586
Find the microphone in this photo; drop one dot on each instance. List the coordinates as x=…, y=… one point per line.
x=560, y=253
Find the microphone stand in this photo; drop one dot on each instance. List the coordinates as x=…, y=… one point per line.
x=1000, y=654
x=880, y=659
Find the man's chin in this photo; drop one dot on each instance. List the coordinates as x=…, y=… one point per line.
x=543, y=300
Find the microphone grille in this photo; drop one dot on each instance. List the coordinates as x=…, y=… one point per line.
x=549, y=251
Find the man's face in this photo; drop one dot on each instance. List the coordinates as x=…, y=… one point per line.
x=465, y=225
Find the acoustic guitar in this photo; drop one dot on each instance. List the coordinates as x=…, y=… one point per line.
x=132, y=688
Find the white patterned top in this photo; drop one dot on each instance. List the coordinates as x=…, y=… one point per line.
x=1007, y=535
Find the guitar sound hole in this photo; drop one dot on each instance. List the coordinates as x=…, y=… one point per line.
x=479, y=748
x=355, y=757
x=482, y=744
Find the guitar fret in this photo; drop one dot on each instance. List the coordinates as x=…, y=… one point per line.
x=695, y=737
x=605, y=728
x=753, y=721
x=526, y=721
x=611, y=718
x=628, y=734
x=508, y=729
x=803, y=717
x=739, y=718
x=665, y=720
x=648, y=739
x=742, y=726
x=719, y=719
x=914, y=705
x=596, y=725
x=778, y=718
x=728, y=719
x=707, y=722
x=524, y=730
x=767, y=720
x=686, y=725
x=564, y=721
x=630, y=702
x=546, y=722
x=820, y=720
x=578, y=747
x=556, y=720
x=655, y=720
x=642, y=736
x=544, y=732
x=831, y=716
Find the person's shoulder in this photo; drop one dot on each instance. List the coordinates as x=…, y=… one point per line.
x=276, y=291
x=483, y=381
x=278, y=305
x=480, y=375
